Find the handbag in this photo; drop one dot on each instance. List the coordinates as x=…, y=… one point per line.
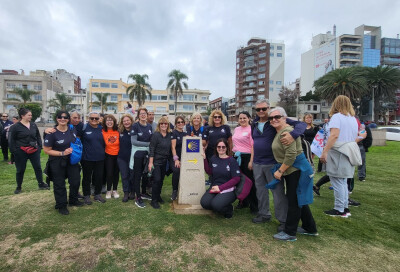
x=243, y=188
x=77, y=148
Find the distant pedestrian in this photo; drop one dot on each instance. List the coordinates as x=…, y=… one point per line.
x=6, y=123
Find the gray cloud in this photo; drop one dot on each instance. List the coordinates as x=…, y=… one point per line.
x=112, y=39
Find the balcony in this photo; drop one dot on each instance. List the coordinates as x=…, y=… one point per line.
x=355, y=50
x=350, y=57
x=350, y=42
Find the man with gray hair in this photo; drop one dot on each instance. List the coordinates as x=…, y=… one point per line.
x=263, y=160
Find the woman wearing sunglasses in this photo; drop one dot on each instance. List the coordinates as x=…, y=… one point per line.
x=111, y=140
x=195, y=127
x=295, y=170
x=93, y=156
x=160, y=153
x=243, y=152
x=225, y=174
x=25, y=134
x=176, y=147
x=58, y=146
x=216, y=130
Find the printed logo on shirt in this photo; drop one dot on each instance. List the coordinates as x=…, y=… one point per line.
x=199, y=134
x=172, y=136
x=74, y=135
x=132, y=131
x=150, y=131
x=122, y=135
x=178, y=138
x=60, y=141
x=211, y=131
x=228, y=168
x=214, y=165
x=140, y=134
x=245, y=133
x=237, y=171
x=46, y=141
x=88, y=132
x=223, y=130
x=112, y=139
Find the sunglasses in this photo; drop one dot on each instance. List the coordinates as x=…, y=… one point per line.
x=261, y=109
x=62, y=117
x=94, y=118
x=180, y=122
x=276, y=117
x=217, y=117
x=221, y=147
x=5, y=116
x=163, y=123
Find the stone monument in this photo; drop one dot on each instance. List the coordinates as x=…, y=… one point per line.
x=192, y=179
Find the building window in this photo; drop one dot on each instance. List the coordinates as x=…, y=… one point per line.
x=187, y=97
x=171, y=107
x=315, y=107
x=271, y=54
x=114, y=85
x=278, y=82
x=37, y=97
x=11, y=96
x=125, y=97
x=248, y=98
x=271, y=82
x=95, y=108
x=161, y=109
x=271, y=47
x=263, y=47
x=114, y=97
x=205, y=98
x=149, y=108
x=95, y=84
x=261, y=96
x=187, y=107
x=271, y=89
x=9, y=107
x=308, y=107
x=249, y=58
x=37, y=87
x=104, y=85
x=279, y=55
x=10, y=86
x=261, y=89
x=111, y=108
x=262, y=69
x=260, y=83
x=203, y=108
x=262, y=55
x=262, y=62
x=171, y=97
x=261, y=75
x=279, y=47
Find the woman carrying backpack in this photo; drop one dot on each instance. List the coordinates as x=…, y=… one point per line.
x=57, y=146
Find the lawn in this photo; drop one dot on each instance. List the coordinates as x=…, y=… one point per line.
x=118, y=236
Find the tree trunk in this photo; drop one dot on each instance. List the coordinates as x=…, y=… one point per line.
x=176, y=101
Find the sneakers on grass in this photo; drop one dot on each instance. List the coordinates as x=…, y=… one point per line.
x=283, y=236
x=139, y=202
x=146, y=196
x=115, y=194
x=305, y=232
x=174, y=194
x=347, y=211
x=87, y=200
x=108, y=195
x=354, y=203
x=336, y=213
x=63, y=211
x=316, y=190
x=99, y=198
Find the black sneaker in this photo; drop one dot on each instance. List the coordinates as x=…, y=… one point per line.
x=76, y=204
x=228, y=215
x=17, y=191
x=155, y=204
x=63, y=211
x=99, y=198
x=126, y=197
x=174, y=194
x=146, y=196
x=305, y=232
x=347, y=211
x=44, y=186
x=87, y=200
x=336, y=213
x=160, y=200
x=80, y=196
x=139, y=202
x=316, y=190
x=261, y=219
x=354, y=203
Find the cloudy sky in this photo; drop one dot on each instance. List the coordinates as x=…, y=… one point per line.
x=112, y=39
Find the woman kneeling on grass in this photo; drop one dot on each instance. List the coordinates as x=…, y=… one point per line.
x=58, y=146
x=225, y=174
x=297, y=173
x=160, y=153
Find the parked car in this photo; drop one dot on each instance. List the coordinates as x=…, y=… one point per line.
x=394, y=122
x=392, y=133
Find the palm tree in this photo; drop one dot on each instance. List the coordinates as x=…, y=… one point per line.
x=25, y=95
x=60, y=102
x=175, y=83
x=139, y=89
x=346, y=81
x=383, y=81
x=102, y=101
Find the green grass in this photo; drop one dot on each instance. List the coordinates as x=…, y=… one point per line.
x=118, y=236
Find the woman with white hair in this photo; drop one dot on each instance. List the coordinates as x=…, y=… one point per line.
x=295, y=170
x=195, y=128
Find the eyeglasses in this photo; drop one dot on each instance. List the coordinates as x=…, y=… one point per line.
x=63, y=117
x=217, y=117
x=276, y=117
x=221, y=147
x=180, y=122
x=94, y=118
x=261, y=109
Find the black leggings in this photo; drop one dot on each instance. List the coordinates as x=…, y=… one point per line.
x=158, y=180
x=92, y=174
x=221, y=203
x=325, y=179
x=112, y=171
x=138, y=168
x=176, y=173
x=20, y=163
x=251, y=199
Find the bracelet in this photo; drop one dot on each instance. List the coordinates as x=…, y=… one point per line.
x=175, y=157
x=279, y=170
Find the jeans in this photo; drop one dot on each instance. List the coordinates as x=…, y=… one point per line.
x=92, y=174
x=362, y=169
x=126, y=175
x=295, y=213
x=341, y=193
x=262, y=176
x=112, y=172
x=61, y=169
x=20, y=163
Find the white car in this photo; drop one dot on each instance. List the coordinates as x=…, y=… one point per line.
x=395, y=122
x=392, y=133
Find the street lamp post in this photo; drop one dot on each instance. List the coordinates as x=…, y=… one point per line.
x=373, y=102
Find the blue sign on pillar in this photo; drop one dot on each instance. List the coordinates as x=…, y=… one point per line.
x=193, y=146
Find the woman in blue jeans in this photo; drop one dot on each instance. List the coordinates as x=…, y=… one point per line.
x=225, y=174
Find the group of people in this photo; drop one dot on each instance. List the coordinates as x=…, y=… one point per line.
x=267, y=150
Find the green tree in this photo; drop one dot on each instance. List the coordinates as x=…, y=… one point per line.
x=176, y=80
x=25, y=95
x=139, y=89
x=346, y=81
x=310, y=96
x=382, y=82
x=102, y=101
x=287, y=100
x=36, y=110
x=60, y=102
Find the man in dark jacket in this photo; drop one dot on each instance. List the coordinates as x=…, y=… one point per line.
x=4, y=143
x=364, y=145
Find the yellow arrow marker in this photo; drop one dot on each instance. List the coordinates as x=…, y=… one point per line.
x=193, y=161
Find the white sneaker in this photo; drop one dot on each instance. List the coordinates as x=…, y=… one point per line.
x=108, y=195
x=115, y=194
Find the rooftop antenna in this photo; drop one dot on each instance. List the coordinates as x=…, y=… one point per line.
x=334, y=30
